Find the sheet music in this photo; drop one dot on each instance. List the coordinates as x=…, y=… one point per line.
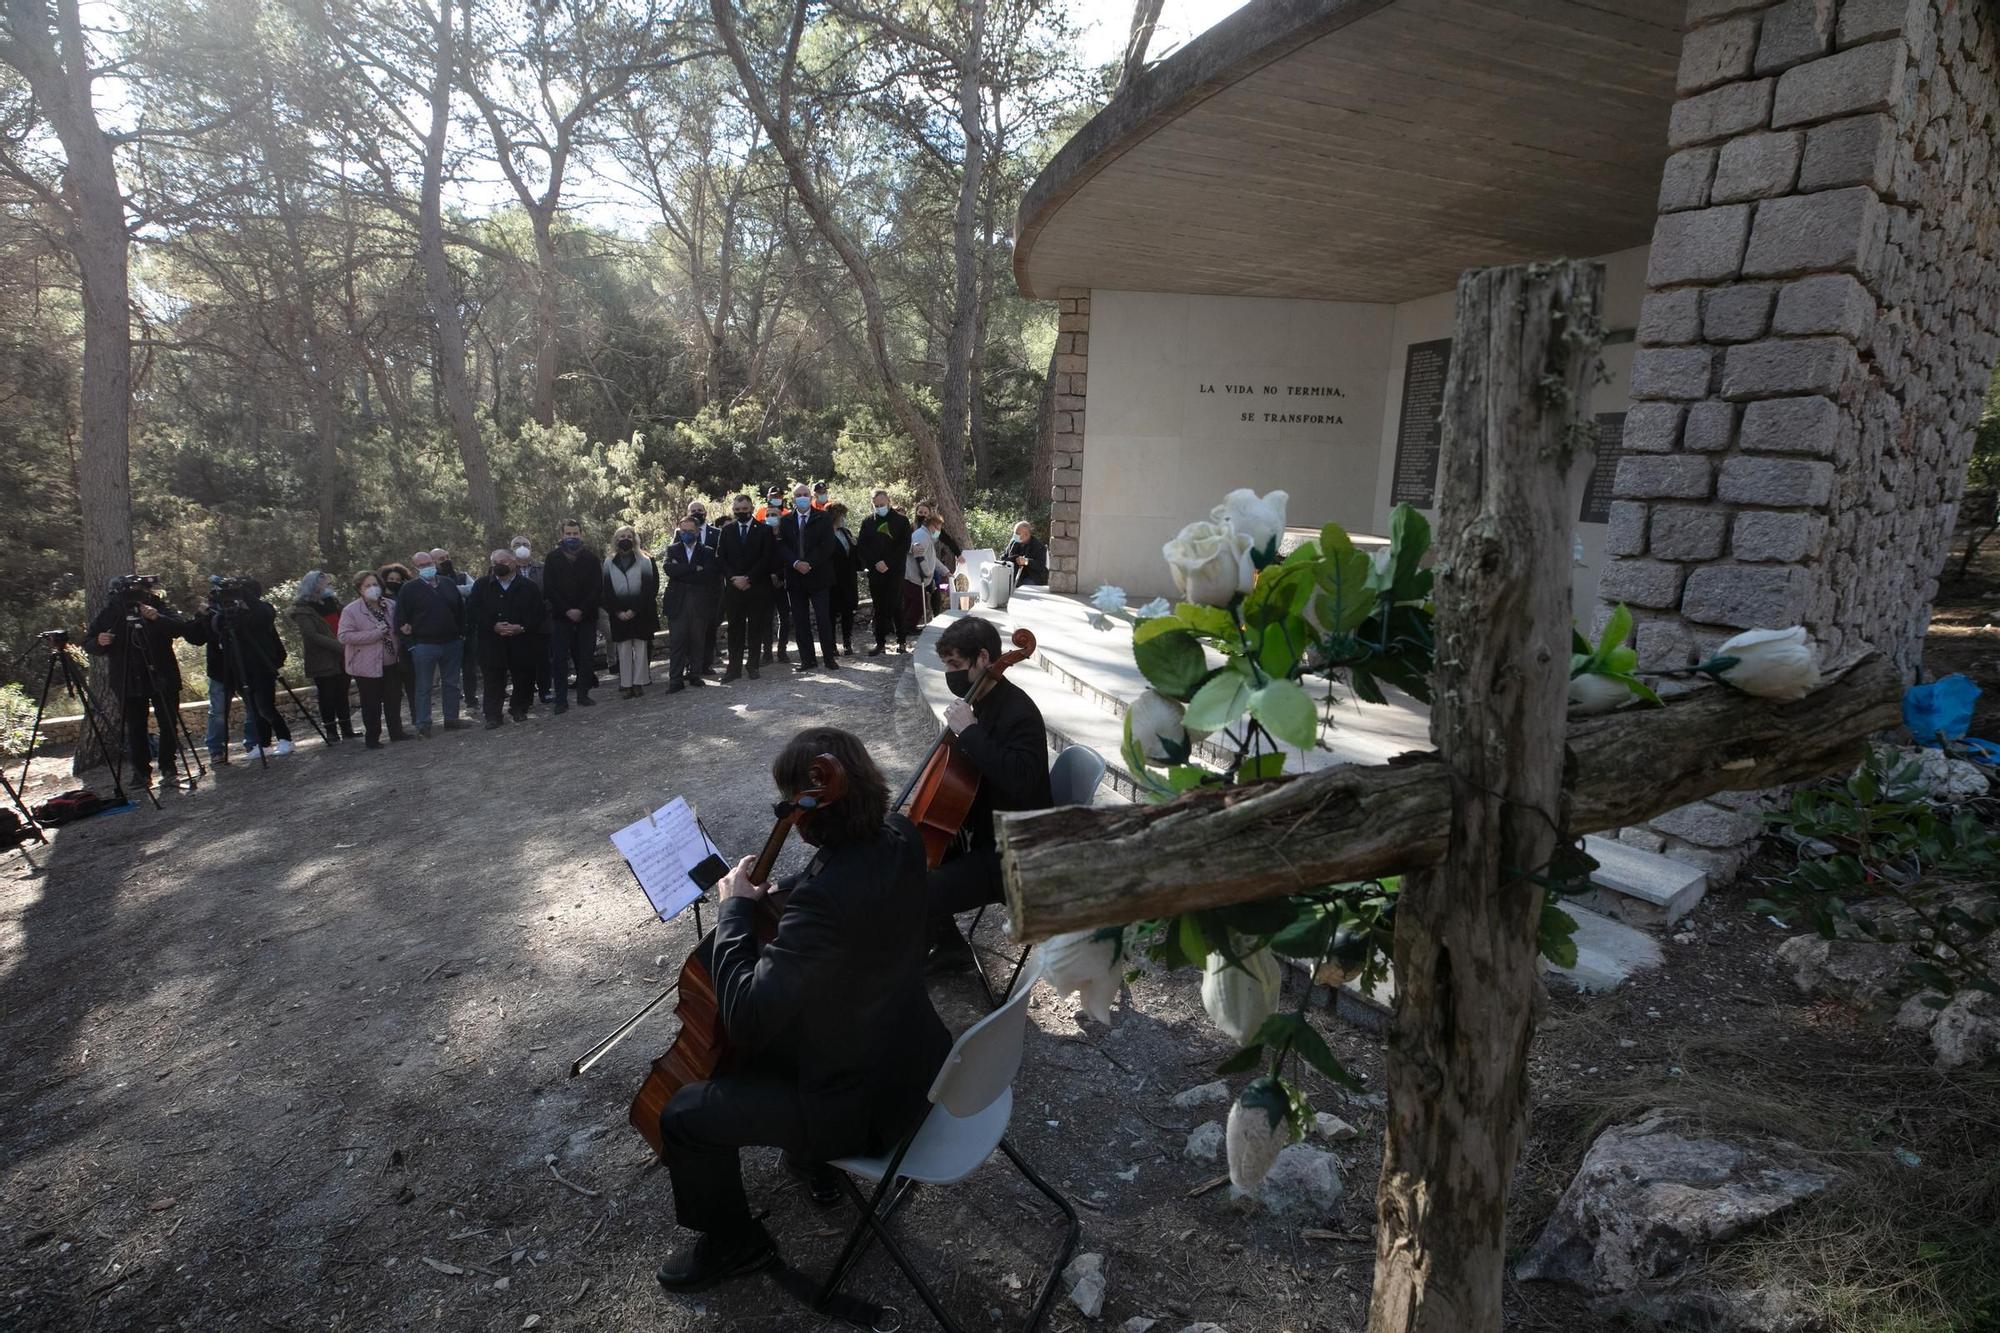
x=661, y=850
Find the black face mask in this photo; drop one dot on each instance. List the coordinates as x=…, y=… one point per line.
x=958, y=682
x=624, y=543
x=391, y=587
x=742, y=516
x=503, y=571
x=445, y=570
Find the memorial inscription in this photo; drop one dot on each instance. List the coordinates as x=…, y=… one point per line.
x=1597, y=494
x=1263, y=391
x=1419, y=426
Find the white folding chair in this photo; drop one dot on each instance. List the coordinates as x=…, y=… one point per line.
x=972, y=1101
x=1073, y=780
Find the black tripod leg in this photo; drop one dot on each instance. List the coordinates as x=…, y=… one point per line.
x=14, y=795
x=79, y=688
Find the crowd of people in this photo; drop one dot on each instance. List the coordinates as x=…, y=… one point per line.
x=422, y=643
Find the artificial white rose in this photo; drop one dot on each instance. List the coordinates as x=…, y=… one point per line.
x=1210, y=563
x=1239, y=996
x=1109, y=598
x=1086, y=962
x=1154, y=609
x=1592, y=693
x=1156, y=722
x=1257, y=1132
x=1771, y=663
x=1262, y=521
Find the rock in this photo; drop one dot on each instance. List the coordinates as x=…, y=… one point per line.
x=1649, y=1197
x=1332, y=1128
x=1138, y=1323
x=1204, y=1327
x=1948, y=779
x=1303, y=1179
x=1967, y=1030
x=1085, y=1277
x=1217, y=1091
x=1861, y=973
x=1205, y=1143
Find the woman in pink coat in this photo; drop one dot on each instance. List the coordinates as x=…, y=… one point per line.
x=367, y=633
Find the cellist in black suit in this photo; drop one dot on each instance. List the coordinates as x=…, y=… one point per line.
x=749, y=553
x=833, y=1043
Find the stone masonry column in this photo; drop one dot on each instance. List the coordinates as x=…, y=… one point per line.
x=1072, y=365
x=1821, y=325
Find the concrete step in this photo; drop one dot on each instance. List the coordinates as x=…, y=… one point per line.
x=1639, y=887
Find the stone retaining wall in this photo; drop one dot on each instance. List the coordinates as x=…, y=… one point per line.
x=1072, y=367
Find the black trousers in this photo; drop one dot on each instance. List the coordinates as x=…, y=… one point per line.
x=778, y=623
x=504, y=660
x=165, y=711
x=703, y=1130
x=375, y=692
x=886, y=592
x=963, y=883
x=809, y=609
x=687, y=640
x=469, y=682
x=542, y=673
x=572, y=645
x=843, y=603
x=749, y=614
x=334, y=713
x=713, y=640
x=262, y=697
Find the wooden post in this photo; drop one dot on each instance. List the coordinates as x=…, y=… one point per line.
x=1468, y=991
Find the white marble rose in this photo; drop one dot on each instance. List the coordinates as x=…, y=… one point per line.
x=1087, y=962
x=1261, y=520
x=1211, y=564
x=1592, y=693
x=1769, y=663
x=1239, y=996
x=1109, y=598
x=1158, y=721
x=1256, y=1133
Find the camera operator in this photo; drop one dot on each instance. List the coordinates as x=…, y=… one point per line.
x=223, y=683
x=136, y=630
x=250, y=628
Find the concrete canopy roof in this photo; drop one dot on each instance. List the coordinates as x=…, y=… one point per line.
x=1364, y=150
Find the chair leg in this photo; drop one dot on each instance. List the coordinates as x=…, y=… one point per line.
x=902, y=1261
x=857, y=1244
x=993, y=1000
x=1071, y=1235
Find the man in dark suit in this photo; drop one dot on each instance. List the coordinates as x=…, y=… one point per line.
x=694, y=581
x=505, y=612
x=880, y=548
x=833, y=1042
x=1028, y=556
x=805, y=551
x=1003, y=736
x=707, y=534
x=748, y=551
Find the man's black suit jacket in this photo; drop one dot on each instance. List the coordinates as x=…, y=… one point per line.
x=752, y=555
x=815, y=546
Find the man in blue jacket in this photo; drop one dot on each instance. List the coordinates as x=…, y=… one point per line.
x=430, y=620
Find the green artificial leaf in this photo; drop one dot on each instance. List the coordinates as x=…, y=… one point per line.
x=1219, y=702
x=1636, y=686
x=1214, y=621
x=1333, y=540
x=1409, y=540
x=1554, y=934
x=1185, y=777
x=1193, y=942
x=1617, y=629
x=1309, y=936
x=1172, y=663
x=1344, y=578
x=1258, y=767
x=1155, y=626
x=1242, y=1062
x=1287, y=712
x=1305, y=553
x=1279, y=649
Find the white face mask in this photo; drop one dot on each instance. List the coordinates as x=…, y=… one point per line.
x=373, y=592
x=520, y=553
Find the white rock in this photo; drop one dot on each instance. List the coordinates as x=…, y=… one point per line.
x=1967, y=1030
x=1205, y=1143
x=1138, y=1323
x=1085, y=1277
x=1204, y=1327
x=1333, y=1128
x=1303, y=1179
x=1217, y=1091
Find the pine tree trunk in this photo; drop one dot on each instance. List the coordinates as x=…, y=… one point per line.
x=1467, y=985
x=956, y=399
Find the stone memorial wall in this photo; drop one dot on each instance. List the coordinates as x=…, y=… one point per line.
x=1823, y=318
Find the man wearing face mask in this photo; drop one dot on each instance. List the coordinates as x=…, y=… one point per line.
x=572, y=586
x=430, y=617
x=531, y=570
x=710, y=536
x=805, y=550
x=746, y=550
x=469, y=659
x=1003, y=737
x=504, y=609
x=881, y=548
x=694, y=579
x=778, y=620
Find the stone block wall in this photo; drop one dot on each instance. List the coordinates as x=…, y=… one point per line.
x=1823, y=318
x=1072, y=367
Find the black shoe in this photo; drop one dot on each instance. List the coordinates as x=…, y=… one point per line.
x=585, y=701
x=373, y=745
x=560, y=707
x=822, y=1182
x=423, y=733
x=877, y=650
x=675, y=687
x=453, y=725
x=782, y=657
x=752, y=673
x=333, y=740
x=518, y=717
x=697, y=680
x=832, y=664
x=493, y=724
x=803, y=667
x=705, y=1261
x=902, y=647
x=731, y=674
x=952, y=954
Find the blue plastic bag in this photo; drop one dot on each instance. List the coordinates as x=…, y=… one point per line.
x=1942, y=711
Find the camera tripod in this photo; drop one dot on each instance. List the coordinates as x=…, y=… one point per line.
x=75, y=681
x=185, y=756
x=238, y=653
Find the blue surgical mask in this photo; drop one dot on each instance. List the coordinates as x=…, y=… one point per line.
x=427, y=571
x=802, y=503
x=687, y=538
x=572, y=543
x=881, y=511
x=771, y=519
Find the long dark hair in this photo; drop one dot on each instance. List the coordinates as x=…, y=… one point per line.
x=855, y=817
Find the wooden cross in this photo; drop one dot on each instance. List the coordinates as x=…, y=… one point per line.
x=1509, y=769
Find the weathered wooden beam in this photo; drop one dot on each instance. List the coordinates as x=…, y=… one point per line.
x=1079, y=867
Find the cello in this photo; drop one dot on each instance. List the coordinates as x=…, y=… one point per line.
x=939, y=795
x=702, y=1043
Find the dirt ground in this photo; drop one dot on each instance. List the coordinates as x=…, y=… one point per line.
x=290, y=1054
